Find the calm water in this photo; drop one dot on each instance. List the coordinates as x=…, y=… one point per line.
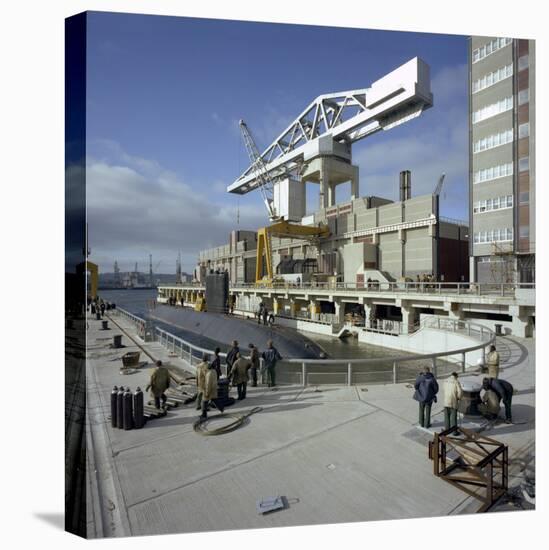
x=135, y=301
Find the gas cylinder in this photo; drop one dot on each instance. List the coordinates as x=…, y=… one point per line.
x=114, y=398
x=128, y=409
x=139, y=418
x=120, y=407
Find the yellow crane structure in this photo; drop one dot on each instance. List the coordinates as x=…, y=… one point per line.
x=91, y=268
x=264, y=261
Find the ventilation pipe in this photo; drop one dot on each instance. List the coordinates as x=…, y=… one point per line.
x=405, y=185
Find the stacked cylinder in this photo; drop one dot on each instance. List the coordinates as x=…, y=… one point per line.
x=114, y=407
x=127, y=405
x=139, y=418
x=127, y=409
x=120, y=408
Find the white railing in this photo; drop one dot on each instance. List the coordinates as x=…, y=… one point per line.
x=390, y=369
x=426, y=288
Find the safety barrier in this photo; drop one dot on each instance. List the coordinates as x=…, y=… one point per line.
x=375, y=370
x=446, y=288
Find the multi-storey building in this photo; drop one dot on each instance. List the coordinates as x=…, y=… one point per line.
x=502, y=163
x=370, y=237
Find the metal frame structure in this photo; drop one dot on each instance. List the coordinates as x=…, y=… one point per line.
x=479, y=465
x=93, y=270
x=264, y=180
x=281, y=229
x=342, y=118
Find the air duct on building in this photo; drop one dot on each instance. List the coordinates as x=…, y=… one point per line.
x=405, y=185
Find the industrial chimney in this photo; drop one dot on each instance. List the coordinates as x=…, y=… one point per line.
x=405, y=185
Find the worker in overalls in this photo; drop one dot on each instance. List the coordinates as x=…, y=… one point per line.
x=492, y=362
x=201, y=370
x=159, y=383
x=210, y=393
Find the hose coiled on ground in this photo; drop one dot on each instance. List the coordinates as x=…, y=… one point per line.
x=200, y=426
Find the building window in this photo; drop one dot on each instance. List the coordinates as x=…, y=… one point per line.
x=524, y=197
x=494, y=140
x=523, y=62
x=492, y=78
x=524, y=164
x=524, y=130
x=524, y=232
x=497, y=203
x=489, y=48
x=494, y=109
x=524, y=96
x=493, y=235
x=493, y=172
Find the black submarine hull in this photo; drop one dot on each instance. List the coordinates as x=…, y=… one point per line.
x=223, y=329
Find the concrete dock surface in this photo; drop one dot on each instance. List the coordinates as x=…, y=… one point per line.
x=338, y=454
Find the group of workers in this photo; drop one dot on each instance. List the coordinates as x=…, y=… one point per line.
x=424, y=281
x=98, y=305
x=208, y=372
x=495, y=390
x=263, y=313
x=239, y=369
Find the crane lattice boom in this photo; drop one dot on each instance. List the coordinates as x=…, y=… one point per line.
x=264, y=180
x=332, y=122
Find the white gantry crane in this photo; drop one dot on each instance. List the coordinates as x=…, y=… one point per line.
x=316, y=147
x=328, y=127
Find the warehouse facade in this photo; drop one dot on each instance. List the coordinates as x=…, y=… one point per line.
x=370, y=238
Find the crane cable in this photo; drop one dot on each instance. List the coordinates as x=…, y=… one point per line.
x=200, y=426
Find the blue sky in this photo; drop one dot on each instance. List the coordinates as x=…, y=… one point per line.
x=164, y=98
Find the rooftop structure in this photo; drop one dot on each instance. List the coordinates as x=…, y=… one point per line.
x=370, y=237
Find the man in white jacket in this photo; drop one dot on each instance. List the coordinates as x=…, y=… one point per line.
x=452, y=395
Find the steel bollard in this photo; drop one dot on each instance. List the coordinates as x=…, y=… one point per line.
x=139, y=418
x=114, y=399
x=105, y=325
x=127, y=400
x=117, y=341
x=120, y=407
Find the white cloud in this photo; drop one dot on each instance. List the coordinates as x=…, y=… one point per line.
x=443, y=148
x=140, y=209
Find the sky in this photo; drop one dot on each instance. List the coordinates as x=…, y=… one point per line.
x=164, y=97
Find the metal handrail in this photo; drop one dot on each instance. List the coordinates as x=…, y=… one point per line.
x=487, y=337
x=434, y=287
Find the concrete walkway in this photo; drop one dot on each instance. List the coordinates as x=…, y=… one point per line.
x=338, y=454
